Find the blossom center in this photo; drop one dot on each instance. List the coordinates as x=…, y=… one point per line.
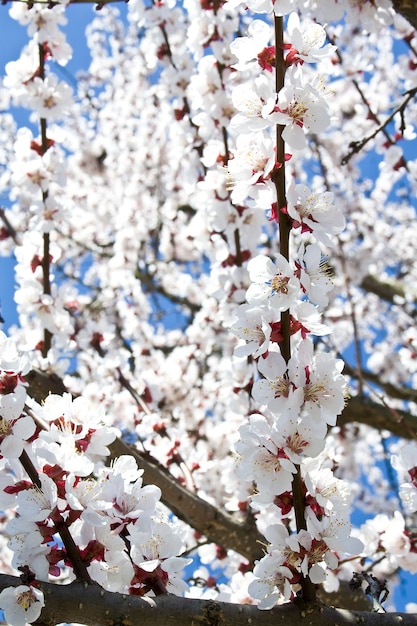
x=256, y=333
x=280, y=387
x=279, y=284
x=318, y=550
x=268, y=462
x=25, y=599
x=5, y=427
x=257, y=161
x=314, y=392
x=49, y=102
x=297, y=111
x=296, y=443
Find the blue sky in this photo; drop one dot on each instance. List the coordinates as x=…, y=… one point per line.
x=14, y=37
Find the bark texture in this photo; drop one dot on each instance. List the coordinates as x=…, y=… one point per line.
x=91, y=605
x=408, y=9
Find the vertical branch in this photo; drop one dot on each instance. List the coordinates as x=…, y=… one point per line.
x=279, y=179
x=308, y=589
x=47, y=339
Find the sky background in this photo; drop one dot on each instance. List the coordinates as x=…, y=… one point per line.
x=13, y=37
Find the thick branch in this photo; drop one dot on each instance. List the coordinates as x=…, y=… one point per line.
x=91, y=605
x=41, y=384
x=391, y=391
x=408, y=9
x=388, y=290
x=365, y=411
x=217, y=526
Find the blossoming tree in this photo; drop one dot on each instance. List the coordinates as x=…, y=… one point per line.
x=215, y=360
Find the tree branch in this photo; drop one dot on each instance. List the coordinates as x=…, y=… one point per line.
x=93, y=606
x=10, y=230
x=217, y=526
x=408, y=9
x=400, y=393
x=365, y=411
x=387, y=290
x=207, y=519
x=356, y=146
x=148, y=282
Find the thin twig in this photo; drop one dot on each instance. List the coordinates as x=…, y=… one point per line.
x=60, y=525
x=356, y=146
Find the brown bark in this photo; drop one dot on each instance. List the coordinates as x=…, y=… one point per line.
x=365, y=411
x=208, y=520
x=408, y=9
x=387, y=290
x=91, y=605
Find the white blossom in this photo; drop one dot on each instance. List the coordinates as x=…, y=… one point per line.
x=308, y=39
x=299, y=109
x=253, y=325
x=21, y=604
x=272, y=281
x=314, y=212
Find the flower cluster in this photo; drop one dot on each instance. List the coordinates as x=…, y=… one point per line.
x=38, y=173
x=116, y=532
x=22, y=604
x=15, y=428
x=72, y=511
x=138, y=222
x=301, y=391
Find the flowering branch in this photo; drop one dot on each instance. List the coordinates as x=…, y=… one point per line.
x=60, y=525
x=46, y=254
x=222, y=98
x=279, y=180
x=356, y=146
x=208, y=520
x=308, y=589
